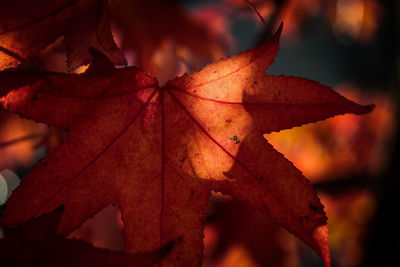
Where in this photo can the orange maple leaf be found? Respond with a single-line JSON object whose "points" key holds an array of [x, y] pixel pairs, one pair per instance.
{"points": [[159, 152]]}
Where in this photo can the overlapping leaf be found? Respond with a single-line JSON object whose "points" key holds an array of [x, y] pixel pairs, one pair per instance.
{"points": [[145, 25], [36, 244], [26, 27], [158, 152]]}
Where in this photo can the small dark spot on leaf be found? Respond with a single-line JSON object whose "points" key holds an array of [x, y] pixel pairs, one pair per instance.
{"points": [[215, 71], [300, 219], [261, 178], [182, 159], [180, 239], [279, 93], [191, 195], [169, 246], [34, 97], [45, 163], [234, 138], [194, 91], [255, 82], [314, 209], [228, 122]]}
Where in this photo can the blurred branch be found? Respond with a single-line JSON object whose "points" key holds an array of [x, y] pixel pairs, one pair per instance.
{"points": [[11, 54], [23, 138], [267, 28], [342, 185], [273, 21]]}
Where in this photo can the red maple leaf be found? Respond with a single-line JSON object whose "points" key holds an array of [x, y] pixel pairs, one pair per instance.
{"points": [[159, 152], [27, 27], [37, 244]]}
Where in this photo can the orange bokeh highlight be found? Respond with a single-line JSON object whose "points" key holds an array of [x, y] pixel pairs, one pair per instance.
{"points": [[21, 153], [343, 145]]}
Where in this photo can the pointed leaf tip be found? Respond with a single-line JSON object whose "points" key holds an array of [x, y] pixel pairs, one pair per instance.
{"points": [[100, 61], [370, 108], [364, 109], [321, 236], [279, 30], [277, 35]]}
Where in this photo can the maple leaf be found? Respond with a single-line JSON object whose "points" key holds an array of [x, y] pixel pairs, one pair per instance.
{"points": [[36, 243], [238, 224], [159, 152], [26, 27], [144, 33]]}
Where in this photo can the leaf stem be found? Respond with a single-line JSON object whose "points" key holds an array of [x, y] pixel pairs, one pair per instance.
{"points": [[261, 18]]}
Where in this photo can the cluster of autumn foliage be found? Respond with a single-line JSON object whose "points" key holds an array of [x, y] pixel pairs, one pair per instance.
{"points": [[153, 156]]}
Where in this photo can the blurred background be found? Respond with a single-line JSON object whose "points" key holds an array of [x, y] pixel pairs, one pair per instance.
{"points": [[352, 161]]}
